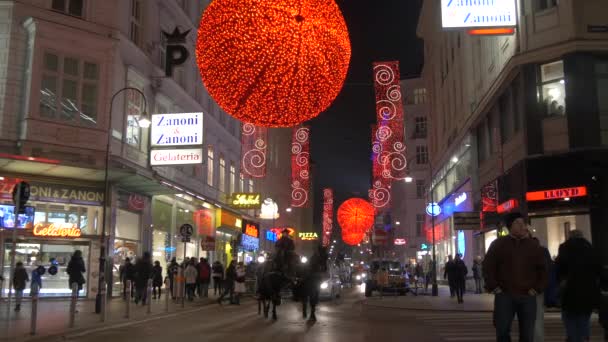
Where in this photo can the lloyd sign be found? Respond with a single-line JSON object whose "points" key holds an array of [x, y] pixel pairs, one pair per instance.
{"points": [[181, 129], [176, 156], [478, 13]]}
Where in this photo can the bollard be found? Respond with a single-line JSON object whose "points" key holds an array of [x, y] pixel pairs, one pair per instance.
{"points": [[73, 304], [34, 318], [167, 294], [128, 307], [104, 299], [149, 296]]}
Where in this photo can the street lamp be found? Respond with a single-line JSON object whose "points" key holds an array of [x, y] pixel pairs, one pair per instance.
{"points": [[409, 179], [143, 122]]}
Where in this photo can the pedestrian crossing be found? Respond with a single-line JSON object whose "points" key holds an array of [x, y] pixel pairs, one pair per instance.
{"points": [[477, 326]]}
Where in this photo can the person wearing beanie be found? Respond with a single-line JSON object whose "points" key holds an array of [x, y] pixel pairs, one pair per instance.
{"points": [[515, 271]]}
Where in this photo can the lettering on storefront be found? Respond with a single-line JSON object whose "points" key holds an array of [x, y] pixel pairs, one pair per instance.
{"points": [[246, 201], [56, 193], [565, 193], [507, 206], [251, 229], [57, 230], [308, 236]]}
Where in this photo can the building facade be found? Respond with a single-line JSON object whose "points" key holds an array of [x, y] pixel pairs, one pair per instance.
{"points": [[520, 121], [64, 111], [409, 197]]}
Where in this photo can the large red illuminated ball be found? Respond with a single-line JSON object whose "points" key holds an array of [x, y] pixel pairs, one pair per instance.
{"points": [[352, 238], [355, 217], [273, 63]]}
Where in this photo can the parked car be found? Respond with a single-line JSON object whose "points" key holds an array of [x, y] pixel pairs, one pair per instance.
{"points": [[397, 278], [331, 287]]}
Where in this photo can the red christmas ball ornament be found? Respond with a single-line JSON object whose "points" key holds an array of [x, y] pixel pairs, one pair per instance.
{"points": [[273, 63], [356, 217], [352, 238]]}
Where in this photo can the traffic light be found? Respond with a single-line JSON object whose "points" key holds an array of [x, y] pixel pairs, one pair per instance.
{"points": [[21, 194]]}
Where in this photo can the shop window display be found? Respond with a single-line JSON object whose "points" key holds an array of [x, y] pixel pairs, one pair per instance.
{"points": [[34, 254]]}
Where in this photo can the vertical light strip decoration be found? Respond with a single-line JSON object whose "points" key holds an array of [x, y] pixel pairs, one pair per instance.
{"points": [[328, 215], [389, 116], [254, 142], [300, 167], [380, 192]]}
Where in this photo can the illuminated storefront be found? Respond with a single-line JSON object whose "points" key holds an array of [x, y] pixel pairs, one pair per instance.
{"points": [[229, 226], [65, 218]]}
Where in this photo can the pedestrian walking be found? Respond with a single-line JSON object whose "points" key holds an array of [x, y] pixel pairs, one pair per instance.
{"points": [[450, 273], [75, 270], [229, 283], [239, 282], [171, 274], [191, 274], [157, 279], [218, 277], [143, 272], [126, 272], [579, 272], [477, 274], [514, 270], [460, 277], [204, 276], [20, 278], [36, 283]]}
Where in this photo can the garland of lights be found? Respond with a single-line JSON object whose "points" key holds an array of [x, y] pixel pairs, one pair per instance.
{"points": [[253, 150], [300, 167], [328, 215], [273, 63]]}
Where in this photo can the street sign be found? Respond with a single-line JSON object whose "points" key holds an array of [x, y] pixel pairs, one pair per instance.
{"points": [[467, 221], [186, 230]]}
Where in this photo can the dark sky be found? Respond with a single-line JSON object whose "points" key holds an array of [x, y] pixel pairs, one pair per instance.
{"points": [[380, 30]]}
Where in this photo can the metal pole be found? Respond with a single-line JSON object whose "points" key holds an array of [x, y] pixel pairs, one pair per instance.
{"points": [[106, 196], [128, 296], [149, 296], [183, 277], [435, 289], [104, 300], [14, 247], [34, 318], [73, 304], [167, 294]]}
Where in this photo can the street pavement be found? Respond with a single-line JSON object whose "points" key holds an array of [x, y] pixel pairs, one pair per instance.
{"points": [[351, 318]]}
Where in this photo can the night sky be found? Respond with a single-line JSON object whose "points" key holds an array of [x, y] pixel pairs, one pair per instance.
{"points": [[340, 140]]}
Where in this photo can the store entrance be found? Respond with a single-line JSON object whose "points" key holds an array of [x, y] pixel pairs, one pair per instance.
{"points": [[37, 253]]}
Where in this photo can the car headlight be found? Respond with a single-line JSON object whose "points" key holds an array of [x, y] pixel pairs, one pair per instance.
{"points": [[358, 277], [324, 285], [363, 275]]}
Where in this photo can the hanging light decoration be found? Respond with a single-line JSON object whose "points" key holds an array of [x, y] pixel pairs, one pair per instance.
{"points": [[356, 217], [273, 63]]}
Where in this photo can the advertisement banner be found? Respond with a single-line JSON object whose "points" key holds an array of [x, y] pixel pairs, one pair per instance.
{"points": [[478, 13], [179, 129], [176, 156]]}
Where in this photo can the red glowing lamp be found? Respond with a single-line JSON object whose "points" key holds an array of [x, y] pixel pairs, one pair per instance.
{"points": [[273, 63], [356, 217]]}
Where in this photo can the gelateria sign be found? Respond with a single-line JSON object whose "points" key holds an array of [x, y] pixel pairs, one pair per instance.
{"points": [[46, 192], [60, 230], [245, 201]]}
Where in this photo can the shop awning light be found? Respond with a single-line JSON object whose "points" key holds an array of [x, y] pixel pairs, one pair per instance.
{"points": [[495, 31]]}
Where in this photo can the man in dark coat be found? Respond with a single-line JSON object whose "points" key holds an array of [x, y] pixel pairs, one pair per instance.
{"points": [[229, 283], [127, 272], [76, 269], [578, 270], [450, 275], [143, 272], [459, 276], [20, 278], [515, 270], [285, 251]]}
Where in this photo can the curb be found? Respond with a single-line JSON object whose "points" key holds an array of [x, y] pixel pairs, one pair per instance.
{"points": [[80, 332]]}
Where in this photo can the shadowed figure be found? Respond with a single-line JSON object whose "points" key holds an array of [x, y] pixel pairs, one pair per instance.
{"points": [[308, 284], [271, 281]]}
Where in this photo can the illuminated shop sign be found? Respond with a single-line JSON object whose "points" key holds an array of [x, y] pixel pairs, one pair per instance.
{"points": [[57, 230], [461, 243], [507, 206], [308, 236], [250, 243], [279, 231], [177, 129], [400, 242], [565, 193], [460, 199], [46, 192], [271, 236], [433, 209], [176, 156], [245, 201], [251, 229], [478, 13]]}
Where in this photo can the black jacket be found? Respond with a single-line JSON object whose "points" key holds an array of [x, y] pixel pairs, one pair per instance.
{"points": [[459, 271], [578, 271], [143, 272], [157, 275], [75, 270], [20, 278]]}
